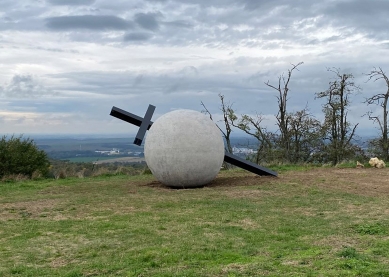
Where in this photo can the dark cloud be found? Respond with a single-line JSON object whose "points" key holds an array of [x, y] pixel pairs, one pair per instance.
{"points": [[368, 17], [137, 36], [7, 19], [260, 4], [178, 24], [24, 86], [90, 22], [71, 2], [147, 20]]}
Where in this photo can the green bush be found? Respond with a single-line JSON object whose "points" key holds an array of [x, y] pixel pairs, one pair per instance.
{"points": [[20, 156]]}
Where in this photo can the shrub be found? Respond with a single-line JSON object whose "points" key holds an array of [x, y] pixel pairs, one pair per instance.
{"points": [[20, 155]]}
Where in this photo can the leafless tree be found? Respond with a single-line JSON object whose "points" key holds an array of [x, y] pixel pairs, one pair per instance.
{"points": [[283, 119], [338, 130], [226, 109], [381, 99], [253, 127]]}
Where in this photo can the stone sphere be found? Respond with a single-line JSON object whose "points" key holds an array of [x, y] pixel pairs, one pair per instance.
{"points": [[184, 148]]}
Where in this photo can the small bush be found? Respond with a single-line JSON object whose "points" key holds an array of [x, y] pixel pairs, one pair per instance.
{"points": [[20, 156]]}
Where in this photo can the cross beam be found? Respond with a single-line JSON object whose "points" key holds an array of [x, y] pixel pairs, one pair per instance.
{"points": [[145, 124]]}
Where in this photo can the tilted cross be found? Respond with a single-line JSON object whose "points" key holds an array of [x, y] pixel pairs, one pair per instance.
{"points": [[145, 124]]}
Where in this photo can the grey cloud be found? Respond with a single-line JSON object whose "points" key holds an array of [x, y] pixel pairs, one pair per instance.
{"points": [[137, 36], [259, 4], [370, 17], [57, 50], [21, 17], [138, 80], [90, 22], [24, 86], [147, 20], [7, 19], [178, 24], [71, 2], [189, 81]]}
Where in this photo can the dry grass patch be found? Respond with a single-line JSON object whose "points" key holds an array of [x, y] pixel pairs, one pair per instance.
{"points": [[30, 209], [366, 181]]}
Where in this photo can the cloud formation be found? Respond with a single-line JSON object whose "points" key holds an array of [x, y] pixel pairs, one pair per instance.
{"points": [[71, 2], [89, 22], [137, 36], [24, 86], [68, 60], [147, 21]]}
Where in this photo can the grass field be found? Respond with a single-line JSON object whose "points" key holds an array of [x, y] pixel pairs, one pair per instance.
{"points": [[314, 222]]}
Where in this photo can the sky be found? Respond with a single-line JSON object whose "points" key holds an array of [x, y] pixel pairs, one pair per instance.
{"points": [[65, 63]]}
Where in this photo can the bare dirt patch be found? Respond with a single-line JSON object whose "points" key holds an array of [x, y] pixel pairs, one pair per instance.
{"points": [[364, 181]]}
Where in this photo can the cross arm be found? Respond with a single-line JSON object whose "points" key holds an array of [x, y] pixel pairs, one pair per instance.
{"points": [[128, 117]]}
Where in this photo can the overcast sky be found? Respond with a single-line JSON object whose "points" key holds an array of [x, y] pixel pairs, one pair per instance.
{"points": [[65, 63]]}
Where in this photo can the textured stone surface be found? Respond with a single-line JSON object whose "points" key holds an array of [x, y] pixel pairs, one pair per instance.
{"points": [[184, 148]]}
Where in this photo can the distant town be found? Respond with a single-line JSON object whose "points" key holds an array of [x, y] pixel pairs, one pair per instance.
{"points": [[96, 149], [99, 149]]}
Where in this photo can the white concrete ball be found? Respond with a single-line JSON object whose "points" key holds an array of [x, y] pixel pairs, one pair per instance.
{"points": [[184, 148]]}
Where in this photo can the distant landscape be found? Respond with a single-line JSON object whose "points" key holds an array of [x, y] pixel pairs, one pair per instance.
{"points": [[105, 150]]}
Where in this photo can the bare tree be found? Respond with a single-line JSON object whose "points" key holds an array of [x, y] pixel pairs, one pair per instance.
{"points": [[382, 143], [252, 126], [283, 119], [338, 130], [226, 109]]}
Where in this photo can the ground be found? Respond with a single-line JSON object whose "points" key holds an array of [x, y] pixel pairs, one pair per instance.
{"points": [[306, 222], [363, 181]]}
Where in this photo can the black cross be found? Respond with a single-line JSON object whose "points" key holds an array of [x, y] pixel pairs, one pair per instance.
{"points": [[145, 124]]}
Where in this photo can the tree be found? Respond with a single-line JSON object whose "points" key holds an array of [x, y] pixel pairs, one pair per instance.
{"points": [[283, 118], [381, 144], [253, 127], [338, 131], [21, 156], [305, 135], [226, 109]]}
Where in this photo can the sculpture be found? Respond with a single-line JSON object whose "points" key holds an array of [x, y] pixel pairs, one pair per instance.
{"points": [[185, 149]]}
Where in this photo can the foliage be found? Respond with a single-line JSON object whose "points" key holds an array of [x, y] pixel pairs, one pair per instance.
{"points": [[338, 131], [253, 127], [20, 156], [305, 136], [300, 137], [377, 148], [64, 169]]}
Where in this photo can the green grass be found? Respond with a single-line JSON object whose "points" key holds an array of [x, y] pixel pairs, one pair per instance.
{"points": [[128, 226]]}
